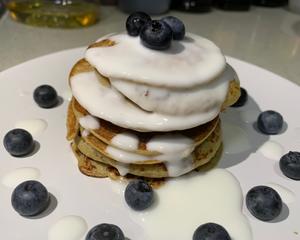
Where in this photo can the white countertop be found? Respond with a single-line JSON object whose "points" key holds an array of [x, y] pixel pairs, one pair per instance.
{"points": [[267, 37]]}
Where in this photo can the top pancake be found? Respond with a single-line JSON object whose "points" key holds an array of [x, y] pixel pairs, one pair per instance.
{"points": [[187, 63]]}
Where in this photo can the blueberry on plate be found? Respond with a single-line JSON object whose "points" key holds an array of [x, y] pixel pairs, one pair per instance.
{"points": [[105, 231], [290, 165], [139, 195], [270, 122], [18, 142], [211, 231], [30, 198], [135, 22], [264, 203], [156, 35], [176, 25], [242, 99], [45, 96]]}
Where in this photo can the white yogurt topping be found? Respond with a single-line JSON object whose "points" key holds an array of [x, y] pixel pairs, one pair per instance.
{"points": [[171, 143], [85, 133], [19, 175], [271, 150], [185, 203], [192, 61], [131, 157], [89, 122], [202, 98], [125, 141], [123, 169], [68, 228], [175, 152], [109, 104], [35, 126]]}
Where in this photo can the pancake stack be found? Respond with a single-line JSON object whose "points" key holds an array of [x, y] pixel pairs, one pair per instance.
{"points": [[115, 131]]}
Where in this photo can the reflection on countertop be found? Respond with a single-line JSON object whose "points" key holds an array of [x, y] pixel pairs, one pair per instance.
{"points": [[267, 37]]}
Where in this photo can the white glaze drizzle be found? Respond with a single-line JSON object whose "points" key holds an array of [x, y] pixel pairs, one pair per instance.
{"points": [[19, 175], [68, 228], [85, 133], [175, 152], [89, 122], [272, 150], [186, 202], [123, 169], [126, 141], [35, 126]]}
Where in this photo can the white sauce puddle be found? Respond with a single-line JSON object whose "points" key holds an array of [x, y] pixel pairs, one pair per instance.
{"points": [[35, 126], [271, 150], [286, 195], [187, 202], [235, 139], [68, 228], [19, 175]]}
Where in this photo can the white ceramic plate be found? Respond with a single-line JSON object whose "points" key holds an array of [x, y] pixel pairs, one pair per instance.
{"points": [[92, 198]]}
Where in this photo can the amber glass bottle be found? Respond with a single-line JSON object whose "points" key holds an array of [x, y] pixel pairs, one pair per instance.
{"points": [[54, 13]]}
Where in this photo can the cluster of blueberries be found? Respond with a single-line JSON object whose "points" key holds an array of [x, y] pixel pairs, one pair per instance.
{"points": [[155, 34]]}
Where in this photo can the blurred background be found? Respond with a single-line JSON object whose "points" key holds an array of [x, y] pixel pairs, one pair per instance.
{"points": [[263, 32]]}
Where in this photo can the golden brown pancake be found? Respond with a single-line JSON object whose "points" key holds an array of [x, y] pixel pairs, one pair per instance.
{"points": [[108, 130], [202, 154], [93, 159]]}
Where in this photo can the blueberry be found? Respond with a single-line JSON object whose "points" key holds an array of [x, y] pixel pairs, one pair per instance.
{"points": [[290, 165], [176, 25], [105, 231], [270, 122], [30, 198], [45, 96], [242, 99], [156, 35], [135, 22], [211, 231], [139, 195], [18, 142], [264, 203]]}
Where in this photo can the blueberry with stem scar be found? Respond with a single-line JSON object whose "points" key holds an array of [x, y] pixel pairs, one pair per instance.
{"points": [[156, 35]]}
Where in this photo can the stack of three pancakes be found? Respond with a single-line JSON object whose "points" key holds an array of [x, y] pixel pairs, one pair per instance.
{"points": [[145, 113]]}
